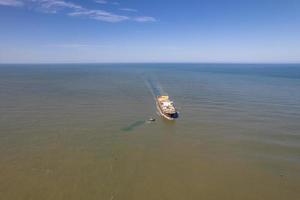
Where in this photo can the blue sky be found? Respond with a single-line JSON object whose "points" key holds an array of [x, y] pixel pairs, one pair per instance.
{"points": [[54, 31]]}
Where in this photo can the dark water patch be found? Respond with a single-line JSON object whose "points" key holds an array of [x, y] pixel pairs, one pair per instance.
{"points": [[291, 71], [134, 125]]}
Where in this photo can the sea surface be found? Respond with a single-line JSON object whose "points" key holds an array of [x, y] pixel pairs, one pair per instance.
{"points": [[80, 131]]}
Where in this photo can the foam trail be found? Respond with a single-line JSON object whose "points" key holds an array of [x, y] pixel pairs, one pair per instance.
{"points": [[151, 88], [160, 88], [155, 88]]}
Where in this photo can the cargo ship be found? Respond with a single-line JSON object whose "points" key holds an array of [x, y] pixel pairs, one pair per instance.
{"points": [[166, 107]]}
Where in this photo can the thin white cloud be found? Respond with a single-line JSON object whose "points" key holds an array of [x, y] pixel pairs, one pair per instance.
{"points": [[76, 10], [14, 3], [107, 2], [144, 19], [54, 6], [128, 9], [101, 1], [100, 15]]}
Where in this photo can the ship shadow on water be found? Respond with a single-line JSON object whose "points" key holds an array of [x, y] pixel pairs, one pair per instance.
{"points": [[139, 123], [134, 125]]}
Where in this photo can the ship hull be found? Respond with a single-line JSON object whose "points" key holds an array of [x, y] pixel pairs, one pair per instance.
{"points": [[166, 116]]}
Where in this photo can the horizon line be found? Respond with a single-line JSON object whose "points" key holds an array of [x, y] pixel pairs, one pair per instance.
{"points": [[57, 63]]}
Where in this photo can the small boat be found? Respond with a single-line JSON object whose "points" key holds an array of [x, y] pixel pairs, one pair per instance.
{"points": [[151, 119], [166, 107]]}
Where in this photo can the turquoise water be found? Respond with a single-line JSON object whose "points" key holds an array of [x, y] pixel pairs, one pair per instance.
{"points": [[81, 132]]}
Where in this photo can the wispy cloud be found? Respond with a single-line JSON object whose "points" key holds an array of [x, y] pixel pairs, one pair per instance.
{"points": [[14, 3], [76, 10], [58, 4], [99, 15], [101, 1], [53, 6], [107, 2], [128, 9], [144, 19]]}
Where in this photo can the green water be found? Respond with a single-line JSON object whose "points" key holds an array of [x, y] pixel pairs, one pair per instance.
{"points": [[81, 132]]}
